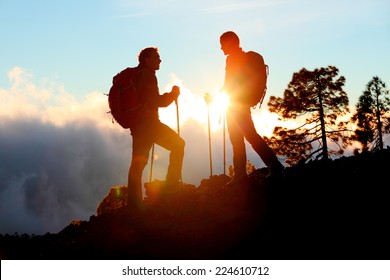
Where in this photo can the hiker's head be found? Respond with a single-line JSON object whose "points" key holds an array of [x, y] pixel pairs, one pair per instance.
{"points": [[229, 42], [150, 58]]}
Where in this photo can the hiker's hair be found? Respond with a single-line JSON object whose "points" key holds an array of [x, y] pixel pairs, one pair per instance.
{"points": [[230, 36], [145, 53]]}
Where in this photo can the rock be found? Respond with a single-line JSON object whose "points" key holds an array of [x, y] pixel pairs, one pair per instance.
{"points": [[114, 201]]}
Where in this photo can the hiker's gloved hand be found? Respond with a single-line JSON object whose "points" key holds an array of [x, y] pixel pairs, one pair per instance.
{"points": [[175, 92]]}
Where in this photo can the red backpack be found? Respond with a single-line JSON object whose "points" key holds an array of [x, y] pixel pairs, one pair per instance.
{"points": [[257, 74], [123, 100]]}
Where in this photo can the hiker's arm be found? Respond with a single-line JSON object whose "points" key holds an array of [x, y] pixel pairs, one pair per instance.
{"points": [[233, 85], [170, 96], [228, 78], [166, 99]]}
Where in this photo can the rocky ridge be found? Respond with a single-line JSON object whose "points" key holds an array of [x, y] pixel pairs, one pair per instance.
{"points": [[333, 210]]}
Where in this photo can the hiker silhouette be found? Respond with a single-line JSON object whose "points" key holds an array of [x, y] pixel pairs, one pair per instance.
{"points": [[238, 116], [149, 130]]}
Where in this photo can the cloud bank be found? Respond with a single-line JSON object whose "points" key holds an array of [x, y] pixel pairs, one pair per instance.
{"points": [[58, 155]]}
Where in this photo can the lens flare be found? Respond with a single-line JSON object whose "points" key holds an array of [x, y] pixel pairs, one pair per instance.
{"points": [[219, 103]]}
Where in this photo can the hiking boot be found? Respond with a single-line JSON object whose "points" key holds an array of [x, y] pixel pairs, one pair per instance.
{"points": [[238, 180]]}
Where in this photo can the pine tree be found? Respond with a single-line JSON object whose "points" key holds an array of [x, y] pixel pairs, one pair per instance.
{"points": [[317, 100], [372, 115]]}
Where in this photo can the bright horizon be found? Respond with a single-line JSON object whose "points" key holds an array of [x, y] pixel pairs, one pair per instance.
{"points": [[60, 152]]}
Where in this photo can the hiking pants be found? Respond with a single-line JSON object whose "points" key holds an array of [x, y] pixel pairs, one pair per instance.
{"points": [[241, 127], [145, 134]]}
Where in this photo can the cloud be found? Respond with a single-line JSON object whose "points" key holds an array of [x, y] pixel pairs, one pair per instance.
{"points": [[59, 155], [57, 173]]}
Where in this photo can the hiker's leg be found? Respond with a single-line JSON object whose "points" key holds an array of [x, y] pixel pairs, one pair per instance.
{"points": [[237, 139], [139, 159], [170, 140], [267, 155]]}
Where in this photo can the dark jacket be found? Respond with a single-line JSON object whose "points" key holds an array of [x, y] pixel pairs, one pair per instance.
{"points": [[147, 87]]}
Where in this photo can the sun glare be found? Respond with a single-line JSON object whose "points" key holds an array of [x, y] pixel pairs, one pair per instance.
{"points": [[219, 103], [194, 107], [217, 109]]}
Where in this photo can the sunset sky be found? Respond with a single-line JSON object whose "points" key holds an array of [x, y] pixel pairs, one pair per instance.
{"points": [[59, 151]]}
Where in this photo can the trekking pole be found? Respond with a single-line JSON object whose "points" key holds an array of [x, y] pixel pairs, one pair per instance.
{"points": [[151, 164], [208, 98], [177, 117], [222, 119], [224, 143], [178, 126]]}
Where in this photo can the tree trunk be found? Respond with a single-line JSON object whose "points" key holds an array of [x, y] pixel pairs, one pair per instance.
{"points": [[378, 117], [322, 120]]}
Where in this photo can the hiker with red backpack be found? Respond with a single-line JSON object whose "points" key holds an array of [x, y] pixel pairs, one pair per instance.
{"points": [[245, 81], [140, 93]]}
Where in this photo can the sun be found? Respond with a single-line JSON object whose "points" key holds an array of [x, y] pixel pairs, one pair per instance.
{"points": [[216, 105], [219, 104]]}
